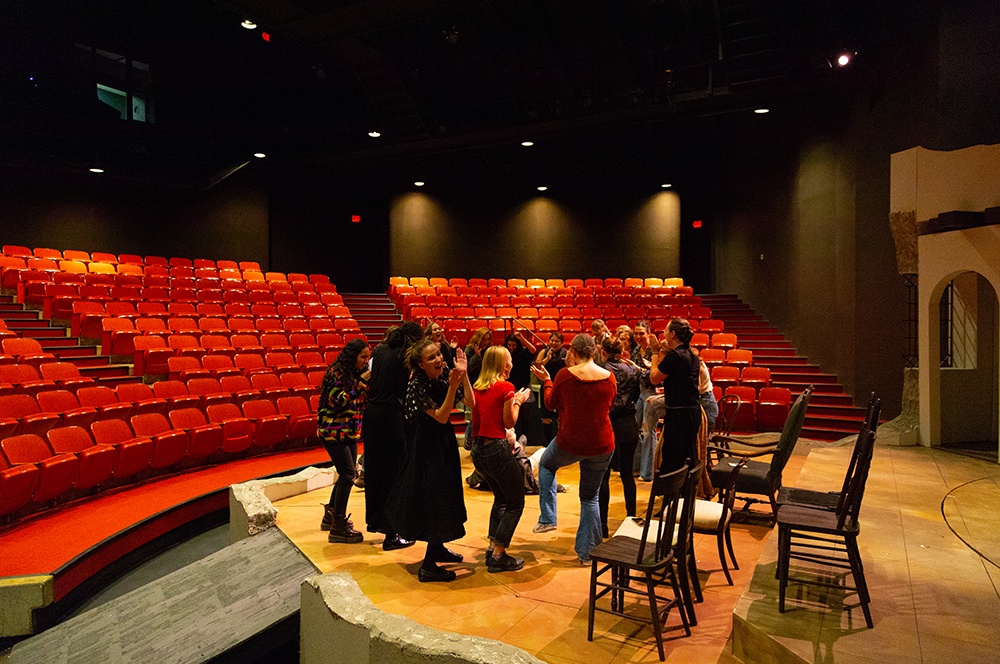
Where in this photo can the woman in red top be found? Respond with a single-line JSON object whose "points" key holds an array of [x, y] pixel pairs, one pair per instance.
{"points": [[496, 410], [582, 394]]}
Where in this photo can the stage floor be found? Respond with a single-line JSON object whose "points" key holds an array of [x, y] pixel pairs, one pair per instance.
{"points": [[542, 608]]}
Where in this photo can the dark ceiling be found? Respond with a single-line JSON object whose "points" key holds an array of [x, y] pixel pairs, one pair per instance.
{"points": [[432, 76]]}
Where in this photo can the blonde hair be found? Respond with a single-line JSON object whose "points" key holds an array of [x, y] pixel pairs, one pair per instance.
{"points": [[494, 361]]}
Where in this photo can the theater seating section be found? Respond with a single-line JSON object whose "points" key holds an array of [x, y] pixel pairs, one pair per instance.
{"points": [[461, 306], [198, 334]]}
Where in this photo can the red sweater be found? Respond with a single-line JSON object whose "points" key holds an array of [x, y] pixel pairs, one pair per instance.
{"points": [[583, 407]]}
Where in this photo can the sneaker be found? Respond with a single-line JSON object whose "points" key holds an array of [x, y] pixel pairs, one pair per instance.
{"points": [[504, 563], [562, 488], [543, 527]]}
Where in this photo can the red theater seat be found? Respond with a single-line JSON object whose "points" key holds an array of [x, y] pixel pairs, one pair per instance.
{"points": [[29, 416], [64, 404], [24, 379], [97, 462], [301, 420], [240, 387], [176, 394], [746, 417], [105, 403], [209, 390], [205, 439], [270, 428], [237, 431], [169, 444], [66, 375], [26, 350], [142, 398], [17, 485], [57, 472]]}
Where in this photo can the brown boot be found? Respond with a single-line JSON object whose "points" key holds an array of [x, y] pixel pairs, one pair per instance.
{"points": [[327, 521], [343, 531]]}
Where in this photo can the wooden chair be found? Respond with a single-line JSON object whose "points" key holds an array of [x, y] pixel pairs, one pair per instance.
{"points": [[834, 501], [828, 539], [712, 518], [642, 559], [760, 478]]}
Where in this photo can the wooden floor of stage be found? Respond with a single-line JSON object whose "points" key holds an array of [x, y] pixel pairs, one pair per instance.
{"points": [[543, 607]]}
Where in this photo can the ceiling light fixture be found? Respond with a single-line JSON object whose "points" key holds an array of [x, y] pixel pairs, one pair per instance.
{"points": [[527, 144], [248, 24], [259, 155], [844, 59], [542, 188], [374, 134], [761, 111], [95, 169], [666, 186], [419, 184]]}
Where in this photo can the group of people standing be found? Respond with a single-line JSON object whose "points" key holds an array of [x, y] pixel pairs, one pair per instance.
{"points": [[413, 480]]}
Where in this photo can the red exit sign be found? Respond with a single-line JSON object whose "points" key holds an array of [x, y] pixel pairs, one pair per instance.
{"points": [[356, 218]]}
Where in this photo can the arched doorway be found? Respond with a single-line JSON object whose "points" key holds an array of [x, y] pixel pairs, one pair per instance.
{"points": [[959, 403], [967, 359]]}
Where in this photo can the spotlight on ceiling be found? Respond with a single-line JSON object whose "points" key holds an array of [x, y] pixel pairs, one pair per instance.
{"points": [[95, 169], [527, 144], [844, 59], [248, 24], [374, 134], [259, 155], [418, 184], [542, 188], [761, 111], [666, 186]]}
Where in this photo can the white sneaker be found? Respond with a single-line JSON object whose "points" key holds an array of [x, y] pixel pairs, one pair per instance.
{"points": [[543, 527]]}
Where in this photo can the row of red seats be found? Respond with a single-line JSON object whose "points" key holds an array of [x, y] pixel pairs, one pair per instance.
{"points": [[119, 341], [133, 259], [71, 459], [544, 300], [56, 299], [652, 282], [85, 319], [153, 353], [17, 275], [551, 313], [730, 376], [650, 295]]}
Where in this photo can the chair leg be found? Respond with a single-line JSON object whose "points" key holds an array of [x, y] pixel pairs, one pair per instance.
{"points": [[685, 584], [784, 545], [678, 599], [593, 600], [655, 614], [854, 556], [695, 580], [729, 545], [722, 558]]}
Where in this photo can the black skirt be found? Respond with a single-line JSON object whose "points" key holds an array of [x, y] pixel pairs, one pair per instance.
{"points": [[428, 501]]}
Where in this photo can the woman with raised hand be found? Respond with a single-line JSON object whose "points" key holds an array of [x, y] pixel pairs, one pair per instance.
{"points": [[342, 397], [582, 393], [497, 408], [385, 435], [427, 502], [677, 367]]}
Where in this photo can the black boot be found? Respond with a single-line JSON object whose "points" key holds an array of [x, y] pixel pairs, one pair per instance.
{"points": [[327, 521], [343, 530], [393, 542]]}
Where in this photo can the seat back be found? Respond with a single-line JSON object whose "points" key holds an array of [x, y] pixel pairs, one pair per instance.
{"points": [[149, 424], [187, 418], [26, 448], [849, 507], [223, 411], [661, 514], [99, 395], [56, 401], [259, 408], [789, 436], [64, 440], [110, 432], [729, 407]]}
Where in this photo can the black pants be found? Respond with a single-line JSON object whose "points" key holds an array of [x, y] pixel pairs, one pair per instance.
{"points": [[344, 454], [504, 474], [626, 440]]}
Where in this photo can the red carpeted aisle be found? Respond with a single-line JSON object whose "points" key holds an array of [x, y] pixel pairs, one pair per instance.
{"points": [[74, 541]]}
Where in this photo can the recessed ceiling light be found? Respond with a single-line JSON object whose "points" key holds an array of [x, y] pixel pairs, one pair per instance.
{"points": [[96, 170], [248, 24], [374, 134], [844, 59], [666, 186], [761, 111], [527, 144], [259, 155], [419, 184], [542, 188]]}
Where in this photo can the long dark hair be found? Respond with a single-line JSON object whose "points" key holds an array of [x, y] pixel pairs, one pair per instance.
{"points": [[682, 329], [344, 368], [403, 336]]}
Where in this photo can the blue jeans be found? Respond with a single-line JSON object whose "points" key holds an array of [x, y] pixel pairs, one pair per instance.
{"points": [[640, 406], [711, 407], [588, 533], [651, 415]]}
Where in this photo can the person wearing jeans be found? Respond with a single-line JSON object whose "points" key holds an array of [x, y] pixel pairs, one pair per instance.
{"points": [[582, 394], [496, 409]]}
